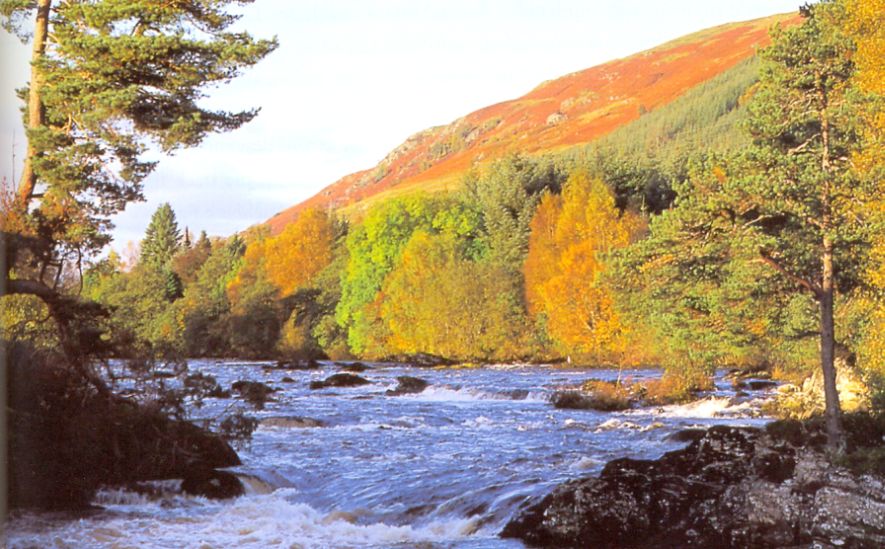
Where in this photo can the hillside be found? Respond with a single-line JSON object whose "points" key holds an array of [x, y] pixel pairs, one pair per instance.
{"points": [[559, 114]]}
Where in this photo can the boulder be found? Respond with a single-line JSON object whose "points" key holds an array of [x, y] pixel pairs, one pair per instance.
{"points": [[571, 400], [212, 484], [309, 364], [292, 422], [732, 487], [578, 400], [357, 367], [408, 385], [421, 360], [339, 380], [760, 384], [254, 392]]}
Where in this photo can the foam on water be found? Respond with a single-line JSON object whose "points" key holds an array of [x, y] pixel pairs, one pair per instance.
{"points": [[707, 408], [253, 521], [440, 393]]}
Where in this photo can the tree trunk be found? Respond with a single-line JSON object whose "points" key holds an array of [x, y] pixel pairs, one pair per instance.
{"points": [[36, 112], [835, 436]]}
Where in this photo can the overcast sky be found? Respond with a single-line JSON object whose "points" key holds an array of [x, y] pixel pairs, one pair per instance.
{"points": [[353, 78]]}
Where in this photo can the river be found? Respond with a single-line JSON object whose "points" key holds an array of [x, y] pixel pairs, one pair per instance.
{"points": [[447, 467]]}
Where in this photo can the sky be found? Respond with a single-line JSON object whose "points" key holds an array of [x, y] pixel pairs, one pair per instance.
{"points": [[352, 79]]}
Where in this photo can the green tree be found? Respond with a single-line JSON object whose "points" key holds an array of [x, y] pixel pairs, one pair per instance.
{"points": [[506, 196], [109, 79], [161, 243], [162, 239], [373, 248], [792, 205]]}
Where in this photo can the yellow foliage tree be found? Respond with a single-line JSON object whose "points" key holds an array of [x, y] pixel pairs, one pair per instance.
{"points": [[436, 301], [865, 23], [570, 238], [292, 259], [301, 251]]}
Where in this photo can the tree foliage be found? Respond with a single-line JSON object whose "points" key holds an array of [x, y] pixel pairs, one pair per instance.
{"points": [[109, 80], [572, 235]]}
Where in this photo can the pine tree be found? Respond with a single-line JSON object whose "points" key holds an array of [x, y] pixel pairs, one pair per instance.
{"points": [[109, 78], [162, 239], [787, 220]]}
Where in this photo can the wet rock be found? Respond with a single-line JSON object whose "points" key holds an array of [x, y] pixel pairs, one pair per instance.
{"points": [[577, 400], [356, 367], [254, 392], [518, 394], [339, 380], [732, 487], [760, 384], [571, 400], [408, 385], [421, 360], [310, 364], [293, 422], [687, 435], [212, 484], [287, 379]]}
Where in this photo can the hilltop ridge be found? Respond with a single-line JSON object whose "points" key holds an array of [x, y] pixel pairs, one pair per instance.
{"points": [[571, 110]]}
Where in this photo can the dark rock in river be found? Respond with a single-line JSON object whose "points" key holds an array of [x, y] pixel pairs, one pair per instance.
{"points": [[687, 435], [310, 364], [212, 484], [571, 400], [760, 384], [254, 392], [357, 367], [65, 440], [577, 400], [339, 380], [421, 360], [733, 487], [293, 422], [287, 379], [408, 385]]}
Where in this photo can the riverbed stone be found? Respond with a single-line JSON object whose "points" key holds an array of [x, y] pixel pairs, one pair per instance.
{"points": [[292, 422], [733, 487], [339, 380], [408, 385], [212, 484]]}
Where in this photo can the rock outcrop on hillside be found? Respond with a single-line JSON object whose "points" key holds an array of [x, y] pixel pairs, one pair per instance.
{"points": [[732, 487]]}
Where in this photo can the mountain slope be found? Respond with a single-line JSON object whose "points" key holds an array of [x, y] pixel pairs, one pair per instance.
{"points": [[574, 109]]}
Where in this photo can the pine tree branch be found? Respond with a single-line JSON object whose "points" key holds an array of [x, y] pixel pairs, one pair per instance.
{"points": [[804, 283]]}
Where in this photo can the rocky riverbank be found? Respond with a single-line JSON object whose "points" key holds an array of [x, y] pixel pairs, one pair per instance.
{"points": [[731, 487]]}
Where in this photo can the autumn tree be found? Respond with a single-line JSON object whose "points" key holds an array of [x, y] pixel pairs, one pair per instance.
{"points": [[304, 248], [864, 22], [109, 80], [188, 262], [438, 301], [571, 237]]}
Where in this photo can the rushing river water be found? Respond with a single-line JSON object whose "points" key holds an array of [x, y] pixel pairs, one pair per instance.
{"points": [[447, 467]]}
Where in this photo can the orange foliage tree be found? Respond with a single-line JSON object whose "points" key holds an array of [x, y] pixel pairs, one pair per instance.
{"points": [[301, 251], [292, 259], [571, 235]]}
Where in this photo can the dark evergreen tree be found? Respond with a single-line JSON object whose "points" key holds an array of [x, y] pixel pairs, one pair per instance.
{"points": [[162, 239]]}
